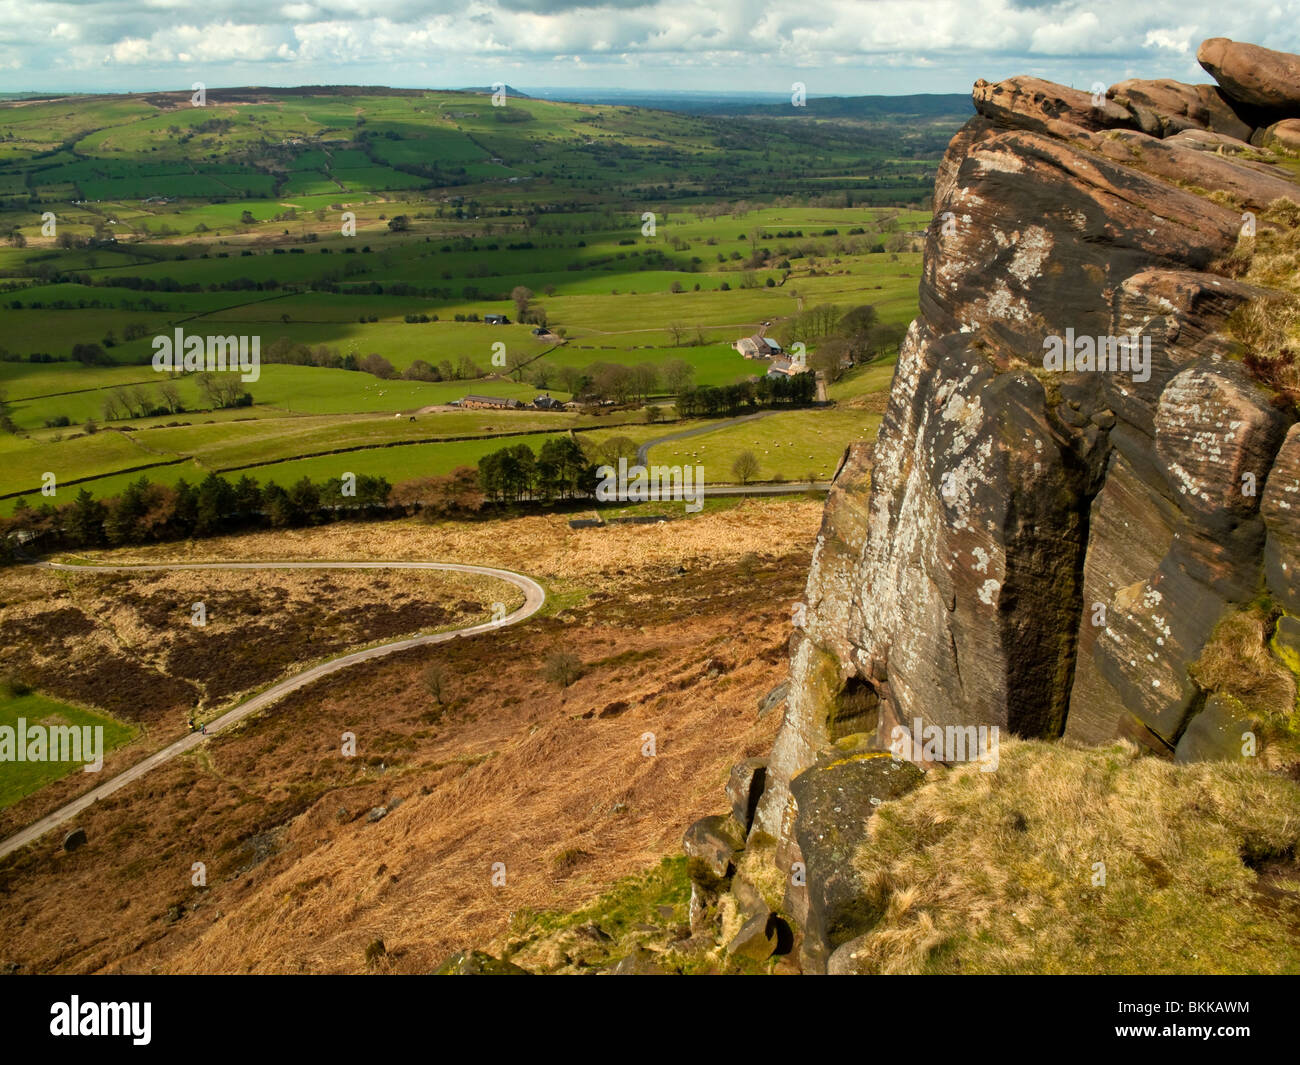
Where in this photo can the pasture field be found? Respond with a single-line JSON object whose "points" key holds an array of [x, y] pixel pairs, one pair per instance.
{"points": [[233, 220], [20, 779], [161, 450], [397, 464], [793, 445]]}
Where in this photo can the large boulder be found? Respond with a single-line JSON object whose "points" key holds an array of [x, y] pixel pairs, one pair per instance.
{"points": [[757, 938], [836, 800], [1249, 74], [1203, 140], [1163, 108], [1252, 185], [1221, 732], [1041, 547], [711, 845], [1281, 511], [1284, 134], [745, 788], [1044, 107], [946, 580]]}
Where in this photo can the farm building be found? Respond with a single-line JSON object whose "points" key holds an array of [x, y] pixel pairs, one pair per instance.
{"points": [[545, 402], [490, 402], [785, 368], [757, 347], [496, 319]]}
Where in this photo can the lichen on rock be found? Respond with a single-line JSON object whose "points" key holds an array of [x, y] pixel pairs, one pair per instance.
{"points": [[1050, 551]]}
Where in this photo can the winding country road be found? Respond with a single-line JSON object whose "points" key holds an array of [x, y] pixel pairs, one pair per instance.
{"points": [[534, 598], [643, 452]]}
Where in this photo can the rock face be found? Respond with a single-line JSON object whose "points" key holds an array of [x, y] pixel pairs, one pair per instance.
{"points": [[1046, 545]]}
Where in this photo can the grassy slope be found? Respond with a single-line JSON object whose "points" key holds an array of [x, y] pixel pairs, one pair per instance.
{"points": [[997, 872]]}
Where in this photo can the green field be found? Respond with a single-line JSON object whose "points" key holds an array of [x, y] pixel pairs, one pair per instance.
{"points": [[18, 779], [228, 220], [789, 445]]}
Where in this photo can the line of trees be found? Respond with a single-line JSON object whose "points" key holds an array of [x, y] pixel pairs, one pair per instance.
{"points": [[730, 400], [561, 470], [600, 381], [147, 512], [286, 352]]}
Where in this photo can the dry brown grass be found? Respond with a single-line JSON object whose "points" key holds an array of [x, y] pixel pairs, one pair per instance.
{"points": [[124, 644], [542, 546], [1269, 328], [551, 782], [994, 872]]}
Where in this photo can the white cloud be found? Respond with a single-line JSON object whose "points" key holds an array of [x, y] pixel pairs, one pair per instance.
{"points": [[137, 50], [904, 45], [1183, 40]]}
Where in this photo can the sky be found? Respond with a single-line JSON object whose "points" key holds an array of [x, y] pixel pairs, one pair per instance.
{"points": [[834, 47]]}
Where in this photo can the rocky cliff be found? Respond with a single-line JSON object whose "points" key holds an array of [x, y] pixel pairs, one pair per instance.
{"points": [[1081, 517]]}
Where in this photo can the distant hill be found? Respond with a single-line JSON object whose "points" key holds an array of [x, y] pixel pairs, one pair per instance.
{"points": [[768, 104], [917, 105], [302, 148], [487, 90]]}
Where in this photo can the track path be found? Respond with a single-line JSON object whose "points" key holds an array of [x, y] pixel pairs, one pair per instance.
{"points": [[534, 598], [643, 452]]}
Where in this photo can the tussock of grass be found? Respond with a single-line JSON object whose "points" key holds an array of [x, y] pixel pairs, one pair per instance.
{"points": [[1270, 328], [1242, 661], [1236, 662], [757, 864], [1226, 199], [994, 872]]}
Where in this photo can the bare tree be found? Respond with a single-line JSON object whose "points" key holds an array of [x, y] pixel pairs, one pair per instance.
{"points": [[209, 389], [136, 401], [437, 684], [522, 296], [677, 375], [515, 363], [645, 378], [745, 468], [541, 372], [113, 408], [562, 668], [171, 396], [618, 447], [6, 420]]}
